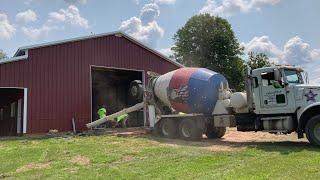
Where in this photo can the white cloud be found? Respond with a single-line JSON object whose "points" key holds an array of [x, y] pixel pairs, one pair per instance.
{"points": [[57, 20], [297, 52], [165, 1], [166, 51], [294, 52], [76, 1], [7, 30], [145, 27], [26, 16], [315, 54], [36, 33], [231, 7], [264, 45], [261, 3], [149, 13], [71, 16], [137, 2]]}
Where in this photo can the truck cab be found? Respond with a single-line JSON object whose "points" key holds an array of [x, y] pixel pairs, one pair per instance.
{"points": [[281, 100], [274, 89]]}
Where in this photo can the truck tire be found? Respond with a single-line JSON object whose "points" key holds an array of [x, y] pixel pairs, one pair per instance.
{"points": [[168, 128], [189, 130], [313, 130], [215, 132], [136, 91]]}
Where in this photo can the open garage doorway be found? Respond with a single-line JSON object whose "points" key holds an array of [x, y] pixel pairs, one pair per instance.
{"points": [[11, 111], [110, 88]]}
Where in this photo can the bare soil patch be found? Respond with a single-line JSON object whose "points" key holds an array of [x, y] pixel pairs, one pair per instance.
{"points": [[122, 132], [80, 160], [72, 169], [32, 166], [234, 136], [232, 141]]}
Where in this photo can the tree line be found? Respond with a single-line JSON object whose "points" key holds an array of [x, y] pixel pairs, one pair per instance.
{"points": [[3, 55], [208, 41]]}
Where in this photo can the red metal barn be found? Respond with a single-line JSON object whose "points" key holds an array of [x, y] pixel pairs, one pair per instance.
{"points": [[45, 86]]}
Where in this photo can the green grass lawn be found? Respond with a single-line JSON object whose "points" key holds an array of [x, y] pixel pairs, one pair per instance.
{"points": [[145, 157]]}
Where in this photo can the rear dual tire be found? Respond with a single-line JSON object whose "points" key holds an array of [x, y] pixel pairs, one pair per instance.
{"points": [[215, 132], [187, 129], [168, 128]]}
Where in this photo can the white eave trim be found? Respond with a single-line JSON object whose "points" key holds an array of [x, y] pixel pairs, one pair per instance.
{"points": [[14, 59]]}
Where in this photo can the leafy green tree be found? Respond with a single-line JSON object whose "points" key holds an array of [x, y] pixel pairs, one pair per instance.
{"points": [[258, 60], [208, 41], [2, 55]]}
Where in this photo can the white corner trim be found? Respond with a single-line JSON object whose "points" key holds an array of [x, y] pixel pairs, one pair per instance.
{"points": [[25, 109], [13, 59]]}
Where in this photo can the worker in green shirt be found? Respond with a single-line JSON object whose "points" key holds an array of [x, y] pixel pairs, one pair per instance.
{"points": [[276, 84], [102, 112], [120, 120]]}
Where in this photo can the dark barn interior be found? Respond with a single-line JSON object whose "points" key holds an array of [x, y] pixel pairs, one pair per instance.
{"points": [[110, 88], [11, 111]]}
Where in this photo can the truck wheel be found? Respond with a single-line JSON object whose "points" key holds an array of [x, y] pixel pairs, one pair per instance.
{"points": [[168, 128], [136, 91], [215, 132], [313, 130], [189, 130]]}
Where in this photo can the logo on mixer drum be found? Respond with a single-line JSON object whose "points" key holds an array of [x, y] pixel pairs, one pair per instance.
{"points": [[179, 95]]}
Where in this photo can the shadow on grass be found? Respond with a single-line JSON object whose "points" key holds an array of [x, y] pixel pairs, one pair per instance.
{"points": [[35, 137], [23, 138], [283, 147]]}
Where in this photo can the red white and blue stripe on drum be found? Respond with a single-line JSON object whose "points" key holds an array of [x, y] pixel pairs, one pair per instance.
{"points": [[194, 90]]}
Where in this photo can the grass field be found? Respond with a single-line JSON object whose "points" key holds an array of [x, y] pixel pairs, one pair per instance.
{"points": [[145, 157]]}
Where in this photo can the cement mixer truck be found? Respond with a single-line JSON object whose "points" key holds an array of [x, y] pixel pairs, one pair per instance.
{"points": [[189, 102]]}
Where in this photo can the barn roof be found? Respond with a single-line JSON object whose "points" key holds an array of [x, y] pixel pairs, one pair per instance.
{"points": [[22, 52]]}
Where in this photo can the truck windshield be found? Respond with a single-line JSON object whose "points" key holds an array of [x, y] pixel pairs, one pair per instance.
{"points": [[293, 76]]}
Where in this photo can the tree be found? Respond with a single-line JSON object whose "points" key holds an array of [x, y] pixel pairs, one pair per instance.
{"points": [[258, 60], [209, 42], [2, 55]]}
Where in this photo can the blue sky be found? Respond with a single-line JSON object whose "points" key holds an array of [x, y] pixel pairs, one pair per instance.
{"points": [[286, 30]]}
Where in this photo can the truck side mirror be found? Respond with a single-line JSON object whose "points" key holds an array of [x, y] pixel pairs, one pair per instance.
{"points": [[277, 75], [307, 77], [249, 70], [255, 82]]}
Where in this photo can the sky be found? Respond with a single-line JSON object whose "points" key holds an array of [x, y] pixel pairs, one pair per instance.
{"points": [[288, 31]]}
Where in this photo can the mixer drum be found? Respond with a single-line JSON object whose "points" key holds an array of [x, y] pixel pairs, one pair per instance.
{"points": [[190, 90]]}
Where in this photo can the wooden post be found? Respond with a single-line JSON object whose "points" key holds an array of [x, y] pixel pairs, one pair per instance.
{"points": [[74, 126]]}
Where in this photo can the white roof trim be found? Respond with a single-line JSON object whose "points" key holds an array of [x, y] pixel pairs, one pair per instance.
{"points": [[13, 59], [97, 36]]}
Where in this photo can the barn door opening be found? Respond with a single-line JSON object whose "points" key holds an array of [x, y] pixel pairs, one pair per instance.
{"points": [[11, 111], [110, 89]]}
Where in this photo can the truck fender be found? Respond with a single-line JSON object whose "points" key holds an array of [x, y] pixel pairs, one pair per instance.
{"points": [[300, 112]]}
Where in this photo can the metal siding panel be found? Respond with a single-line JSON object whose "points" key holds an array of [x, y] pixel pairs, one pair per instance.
{"points": [[64, 83], [58, 77]]}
